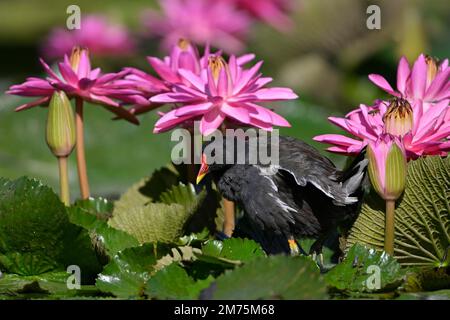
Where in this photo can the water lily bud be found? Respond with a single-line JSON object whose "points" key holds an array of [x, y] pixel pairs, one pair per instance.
{"points": [[432, 68], [60, 125], [387, 167], [398, 119]]}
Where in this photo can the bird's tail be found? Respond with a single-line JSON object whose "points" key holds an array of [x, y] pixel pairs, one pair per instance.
{"points": [[353, 177]]}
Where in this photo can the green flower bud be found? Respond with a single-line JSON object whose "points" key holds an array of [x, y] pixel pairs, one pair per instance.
{"points": [[60, 133], [387, 167]]}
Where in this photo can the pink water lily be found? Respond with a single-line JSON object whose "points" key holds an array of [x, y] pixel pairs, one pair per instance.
{"points": [[183, 56], [428, 136], [201, 21], [77, 79], [101, 36], [273, 12], [426, 81], [222, 90]]}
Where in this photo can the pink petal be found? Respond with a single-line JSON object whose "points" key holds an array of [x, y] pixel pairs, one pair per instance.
{"points": [[238, 113], [162, 70], [84, 66], [39, 102], [193, 109], [245, 59], [245, 77], [272, 94], [382, 83], [193, 79], [49, 70], [438, 85], [419, 77], [403, 73], [211, 121], [68, 74], [222, 83], [172, 97]]}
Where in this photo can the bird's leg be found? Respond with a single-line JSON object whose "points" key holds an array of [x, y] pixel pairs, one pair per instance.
{"points": [[229, 218], [294, 247], [316, 251]]}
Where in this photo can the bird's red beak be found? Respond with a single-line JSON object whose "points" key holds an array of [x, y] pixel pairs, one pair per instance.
{"points": [[203, 169]]}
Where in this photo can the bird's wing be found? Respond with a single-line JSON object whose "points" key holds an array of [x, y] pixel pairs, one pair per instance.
{"points": [[307, 165], [269, 202]]}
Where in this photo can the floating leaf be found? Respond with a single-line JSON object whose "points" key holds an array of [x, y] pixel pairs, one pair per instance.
{"points": [[422, 216], [434, 295], [125, 276], [92, 215], [47, 285], [159, 222], [173, 282], [149, 189], [233, 249], [274, 277], [35, 233], [427, 279], [366, 270]]}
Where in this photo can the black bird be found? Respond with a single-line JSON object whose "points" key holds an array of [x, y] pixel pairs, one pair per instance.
{"points": [[303, 196]]}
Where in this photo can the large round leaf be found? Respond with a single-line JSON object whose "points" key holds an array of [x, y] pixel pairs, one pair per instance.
{"points": [[422, 216], [274, 277], [159, 222], [35, 233]]}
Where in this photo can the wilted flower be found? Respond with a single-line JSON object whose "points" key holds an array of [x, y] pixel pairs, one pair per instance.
{"points": [[201, 21], [387, 166], [60, 131], [222, 90], [76, 79], [427, 81], [273, 12], [100, 36], [428, 135]]}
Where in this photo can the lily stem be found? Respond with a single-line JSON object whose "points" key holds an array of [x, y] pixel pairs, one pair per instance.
{"points": [[229, 218], [389, 227], [64, 180], [81, 159], [228, 206]]}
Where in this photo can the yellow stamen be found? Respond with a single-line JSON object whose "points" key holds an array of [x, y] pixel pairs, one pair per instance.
{"points": [[75, 57], [432, 68], [216, 63], [183, 44]]}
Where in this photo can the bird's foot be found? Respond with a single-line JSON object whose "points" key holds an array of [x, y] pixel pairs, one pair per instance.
{"points": [[317, 257]]}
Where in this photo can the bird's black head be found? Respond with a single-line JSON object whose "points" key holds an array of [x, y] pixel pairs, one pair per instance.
{"points": [[210, 166], [220, 155]]}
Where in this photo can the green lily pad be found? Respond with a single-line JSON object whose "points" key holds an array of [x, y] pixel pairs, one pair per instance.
{"points": [[427, 279], [366, 270], [92, 215], [35, 233], [233, 249], [173, 282], [422, 217], [125, 276], [274, 277], [48, 285], [159, 222]]}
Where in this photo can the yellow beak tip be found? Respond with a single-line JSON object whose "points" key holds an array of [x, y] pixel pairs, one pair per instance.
{"points": [[200, 178]]}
